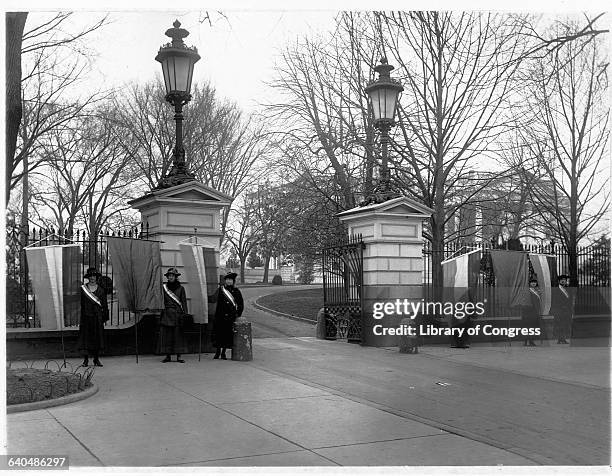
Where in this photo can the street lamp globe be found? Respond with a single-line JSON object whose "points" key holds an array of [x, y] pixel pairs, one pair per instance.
{"points": [[384, 93], [177, 60]]}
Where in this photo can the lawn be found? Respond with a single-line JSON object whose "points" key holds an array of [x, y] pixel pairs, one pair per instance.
{"points": [[304, 303]]}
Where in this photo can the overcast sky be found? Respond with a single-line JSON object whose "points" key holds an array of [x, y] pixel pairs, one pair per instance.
{"points": [[237, 52]]}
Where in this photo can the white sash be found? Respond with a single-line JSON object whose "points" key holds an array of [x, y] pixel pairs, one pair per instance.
{"points": [[91, 295], [230, 297], [564, 291], [173, 296]]}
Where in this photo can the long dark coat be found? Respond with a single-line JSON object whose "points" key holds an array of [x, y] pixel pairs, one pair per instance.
{"points": [[531, 313], [91, 325], [225, 315], [563, 310], [171, 336]]}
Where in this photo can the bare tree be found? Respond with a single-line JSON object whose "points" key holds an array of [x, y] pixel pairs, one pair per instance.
{"points": [[243, 233], [83, 180], [324, 111], [272, 217], [569, 142], [458, 70], [36, 99]]}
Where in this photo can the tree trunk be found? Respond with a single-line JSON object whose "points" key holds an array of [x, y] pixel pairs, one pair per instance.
{"points": [[15, 23], [437, 256], [439, 214], [369, 172], [572, 248], [25, 199], [266, 269], [242, 267]]}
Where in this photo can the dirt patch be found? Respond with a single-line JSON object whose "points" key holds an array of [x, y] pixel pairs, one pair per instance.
{"points": [[32, 385]]}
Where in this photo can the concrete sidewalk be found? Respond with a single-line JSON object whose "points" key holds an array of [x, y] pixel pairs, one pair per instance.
{"points": [[306, 402], [225, 413]]}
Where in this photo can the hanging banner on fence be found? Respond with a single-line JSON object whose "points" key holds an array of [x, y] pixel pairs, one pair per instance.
{"points": [[195, 268], [511, 270], [137, 267], [545, 268], [211, 261], [460, 276], [56, 283]]}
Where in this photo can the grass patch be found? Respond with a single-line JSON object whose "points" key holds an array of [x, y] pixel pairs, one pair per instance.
{"points": [[304, 303], [33, 385]]}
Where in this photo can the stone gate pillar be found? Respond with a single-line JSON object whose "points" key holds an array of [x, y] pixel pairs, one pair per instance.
{"points": [[393, 259]]}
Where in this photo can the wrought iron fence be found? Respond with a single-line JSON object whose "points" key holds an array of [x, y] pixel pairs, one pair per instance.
{"points": [[593, 293], [343, 288], [21, 310]]}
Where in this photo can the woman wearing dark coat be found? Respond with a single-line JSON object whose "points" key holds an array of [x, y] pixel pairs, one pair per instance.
{"points": [[171, 337], [531, 313], [94, 313], [229, 307], [563, 310]]}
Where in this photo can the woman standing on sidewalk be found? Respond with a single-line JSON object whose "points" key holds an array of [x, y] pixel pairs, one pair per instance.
{"points": [[171, 338], [94, 313], [229, 307], [531, 312]]}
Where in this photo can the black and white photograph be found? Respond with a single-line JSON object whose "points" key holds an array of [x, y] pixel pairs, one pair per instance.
{"points": [[324, 238]]}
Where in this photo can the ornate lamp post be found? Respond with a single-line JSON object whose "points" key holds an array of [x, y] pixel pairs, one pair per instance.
{"points": [[177, 60], [383, 94]]}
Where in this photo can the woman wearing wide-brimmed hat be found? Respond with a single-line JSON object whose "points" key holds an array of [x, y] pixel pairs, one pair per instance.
{"points": [[171, 337], [563, 309], [94, 313], [229, 307], [531, 317]]}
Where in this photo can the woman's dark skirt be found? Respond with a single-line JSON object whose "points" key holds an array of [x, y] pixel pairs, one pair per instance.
{"points": [[91, 336], [171, 340]]}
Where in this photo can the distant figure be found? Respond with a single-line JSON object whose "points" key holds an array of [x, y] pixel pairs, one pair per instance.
{"points": [[531, 312], [465, 323], [563, 310], [229, 307], [171, 337], [94, 313]]}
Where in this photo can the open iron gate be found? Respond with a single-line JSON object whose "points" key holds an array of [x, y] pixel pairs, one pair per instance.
{"points": [[343, 289]]}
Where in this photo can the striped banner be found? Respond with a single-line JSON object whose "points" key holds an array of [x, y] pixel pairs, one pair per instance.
{"points": [[201, 265], [545, 268], [460, 274], [53, 282]]}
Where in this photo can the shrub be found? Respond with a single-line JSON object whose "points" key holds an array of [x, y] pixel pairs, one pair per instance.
{"points": [[277, 280]]}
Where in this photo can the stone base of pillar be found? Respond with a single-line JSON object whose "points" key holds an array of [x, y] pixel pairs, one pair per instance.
{"points": [[243, 342]]}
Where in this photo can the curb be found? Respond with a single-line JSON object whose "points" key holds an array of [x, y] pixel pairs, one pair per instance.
{"points": [[65, 400], [281, 314]]}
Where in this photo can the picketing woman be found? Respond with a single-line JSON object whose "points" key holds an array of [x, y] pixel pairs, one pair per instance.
{"points": [[229, 307], [531, 313], [563, 309], [171, 331], [94, 313]]}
